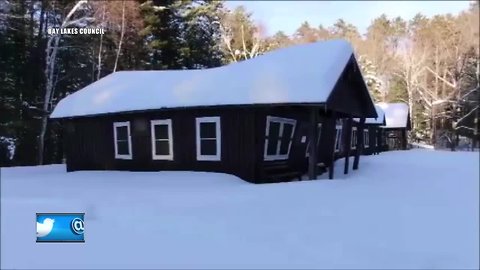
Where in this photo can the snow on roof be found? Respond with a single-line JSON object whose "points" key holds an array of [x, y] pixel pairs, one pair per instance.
{"points": [[299, 74], [374, 121], [396, 114]]}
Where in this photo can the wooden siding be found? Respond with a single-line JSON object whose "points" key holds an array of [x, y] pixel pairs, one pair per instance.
{"points": [[297, 160], [397, 137], [350, 95], [90, 144]]}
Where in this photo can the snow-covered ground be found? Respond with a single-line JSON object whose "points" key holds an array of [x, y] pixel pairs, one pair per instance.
{"points": [[406, 209]]}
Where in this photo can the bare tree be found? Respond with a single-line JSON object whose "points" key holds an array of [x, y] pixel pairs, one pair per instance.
{"points": [[50, 61], [123, 24], [246, 51], [409, 71], [99, 65], [240, 37], [122, 32]]}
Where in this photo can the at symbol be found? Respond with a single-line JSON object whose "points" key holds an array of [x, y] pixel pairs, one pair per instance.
{"points": [[77, 226]]}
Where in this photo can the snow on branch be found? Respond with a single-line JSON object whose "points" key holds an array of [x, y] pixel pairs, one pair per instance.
{"points": [[10, 144], [469, 113]]}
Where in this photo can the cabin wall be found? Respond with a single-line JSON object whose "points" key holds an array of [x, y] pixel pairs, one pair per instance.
{"points": [[372, 134], [396, 138], [297, 160], [373, 131], [90, 143]]}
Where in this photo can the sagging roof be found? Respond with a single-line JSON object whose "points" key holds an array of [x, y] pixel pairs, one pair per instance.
{"points": [[380, 120], [397, 115], [299, 74]]}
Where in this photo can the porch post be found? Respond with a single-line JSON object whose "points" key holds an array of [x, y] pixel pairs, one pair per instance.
{"points": [[359, 143], [331, 168], [404, 139], [312, 151], [347, 137]]}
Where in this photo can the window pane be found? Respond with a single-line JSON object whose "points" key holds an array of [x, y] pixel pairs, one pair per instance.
{"points": [[208, 130], [287, 131], [208, 147], [272, 146], [162, 148], [161, 131], [273, 130], [354, 139], [122, 147], [122, 133], [319, 134], [338, 137], [284, 146]]}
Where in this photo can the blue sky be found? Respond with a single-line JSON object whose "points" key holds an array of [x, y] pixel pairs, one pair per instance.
{"points": [[288, 15]]}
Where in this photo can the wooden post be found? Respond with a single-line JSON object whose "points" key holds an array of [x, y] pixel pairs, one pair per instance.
{"points": [[313, 134], [347, 137], [404, 139], [331, 168], [359, 143]]}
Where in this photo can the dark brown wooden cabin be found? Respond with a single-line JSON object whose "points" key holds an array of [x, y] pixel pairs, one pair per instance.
{"points": [[395, 131], [259, 142]]}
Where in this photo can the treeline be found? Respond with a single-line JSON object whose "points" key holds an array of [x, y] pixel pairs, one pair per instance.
{"points": [[431, 63]]}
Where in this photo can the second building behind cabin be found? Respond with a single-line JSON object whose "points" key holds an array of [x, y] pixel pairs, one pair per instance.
{"points": [[397, 116]]}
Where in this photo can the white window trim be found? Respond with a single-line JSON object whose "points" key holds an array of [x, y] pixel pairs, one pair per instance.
{"points": [[282, 121], [218, 138], [338, 137], [366, 138], [154, 123], [319, 127], [353, 141], [122, 124]]}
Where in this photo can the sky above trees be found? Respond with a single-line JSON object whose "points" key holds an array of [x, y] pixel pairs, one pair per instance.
{"points": [[287, 15]]}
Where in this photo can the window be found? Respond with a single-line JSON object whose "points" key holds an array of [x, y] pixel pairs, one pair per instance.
{"points": [[338, 137], [279, 135], [353, 143], [366, 138], [209, 138], [122, 140], [162, 139], [319, 133]]}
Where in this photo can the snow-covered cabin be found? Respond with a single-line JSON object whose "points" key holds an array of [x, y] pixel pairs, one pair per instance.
{"points": [[397, 116], [253, 119]]}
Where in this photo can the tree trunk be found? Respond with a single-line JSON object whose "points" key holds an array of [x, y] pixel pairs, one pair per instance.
{"points": [[101, 44], [410, 105], [121, 37], [476, 133], [50, 66]]}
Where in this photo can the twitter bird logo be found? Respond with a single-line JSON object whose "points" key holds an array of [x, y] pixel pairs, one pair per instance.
{"points": [[43, 229]]}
